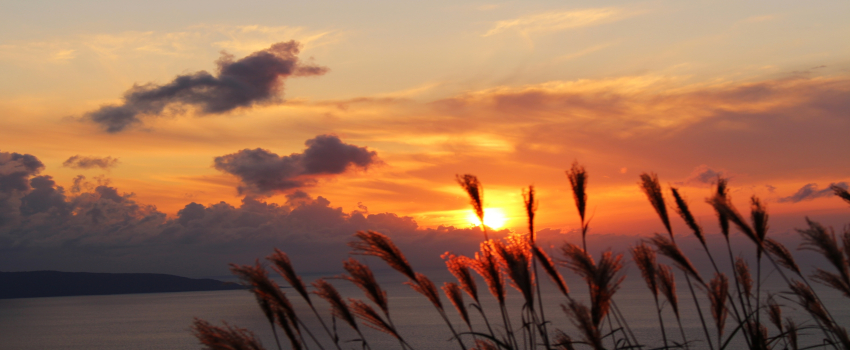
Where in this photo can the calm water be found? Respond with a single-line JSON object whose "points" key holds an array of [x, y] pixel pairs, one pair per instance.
{"points": [[162, 321]]}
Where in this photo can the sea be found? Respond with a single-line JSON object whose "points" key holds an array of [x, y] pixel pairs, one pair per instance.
{"points": [[164, 320]]}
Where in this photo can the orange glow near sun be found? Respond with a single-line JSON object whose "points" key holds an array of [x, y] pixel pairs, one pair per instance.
{"points": [[494, 218]]}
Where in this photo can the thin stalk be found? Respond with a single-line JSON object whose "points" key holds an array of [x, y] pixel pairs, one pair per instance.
{"points": [[701, 318], [661, 321], [484, 316], [445, 318], [758, 289], [400, 340], [583, 236], [545, 337], [276, 339], [508, 328], [682, 331], [541, 324], [613, 337], [738, 291], [363, 339], [806, 281], [624, 323], [531, 208], [336, 341], [308, 333], [529, 320], [735, 312]]}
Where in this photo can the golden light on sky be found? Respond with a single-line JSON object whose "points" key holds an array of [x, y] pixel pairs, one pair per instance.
{"points": [[494, 218], [246, 125]]}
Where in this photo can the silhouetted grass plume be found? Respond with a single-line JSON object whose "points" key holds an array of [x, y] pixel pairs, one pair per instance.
{"points": [[594, 323]]}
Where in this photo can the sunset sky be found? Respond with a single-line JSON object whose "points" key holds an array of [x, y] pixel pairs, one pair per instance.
{"points": [[178, 136]]}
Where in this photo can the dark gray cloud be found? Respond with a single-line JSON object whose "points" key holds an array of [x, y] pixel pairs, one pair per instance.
{"points": [[15, 170], [255, 79], [97, 227], [811, 191], [103, 229], [44, 197], [704, 176], [81, 162], [263, 172]]}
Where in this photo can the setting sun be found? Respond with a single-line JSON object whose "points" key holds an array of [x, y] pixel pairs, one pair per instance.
{"points": [[493, 217]]}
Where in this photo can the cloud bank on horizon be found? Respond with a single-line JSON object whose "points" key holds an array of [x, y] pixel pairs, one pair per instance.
{"points": [[254, 79], [95, 227]]}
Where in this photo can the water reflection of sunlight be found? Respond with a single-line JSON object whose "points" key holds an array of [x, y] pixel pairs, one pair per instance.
{"points": [[493, 218]]}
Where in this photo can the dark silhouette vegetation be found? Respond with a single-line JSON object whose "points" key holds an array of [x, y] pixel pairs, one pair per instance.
{"points": [[732, 306]]}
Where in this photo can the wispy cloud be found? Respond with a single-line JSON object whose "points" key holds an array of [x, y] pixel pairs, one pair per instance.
{"points": [[254, 79], [186, 42], [811, 191], [703, 176], [584, 52], [557, 21], [82, 162]]}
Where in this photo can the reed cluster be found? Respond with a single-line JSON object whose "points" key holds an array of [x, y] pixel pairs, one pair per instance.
{"points": [[737, 307]]}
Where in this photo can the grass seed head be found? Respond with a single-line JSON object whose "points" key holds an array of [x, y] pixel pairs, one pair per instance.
{"points": [[459, 268], [644, 258], [841, 192], [371, 318], [515, 258], [723, 205], [481, 344], [717, 295], [578, 182], [807, 299], [224, 338], [774, 312], [822, 240], [745, 279], [284, 267], [650, 186], [669, 249], [782, 255], [550, 269], [791, 333], [602, 277], [376, 244], [362, 276], [485, 264], [581, 318], [685, 213], [338, 306], [530, 209], [667, 286], [721, 192], [456, 297], [423, 285], [473, 188], [563, 341]]}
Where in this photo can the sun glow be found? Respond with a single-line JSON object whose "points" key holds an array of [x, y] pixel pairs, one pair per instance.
{"points": [[494, 218]]}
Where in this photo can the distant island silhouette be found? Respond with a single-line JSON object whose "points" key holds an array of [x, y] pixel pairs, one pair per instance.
{"points": [[38, 284]]}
